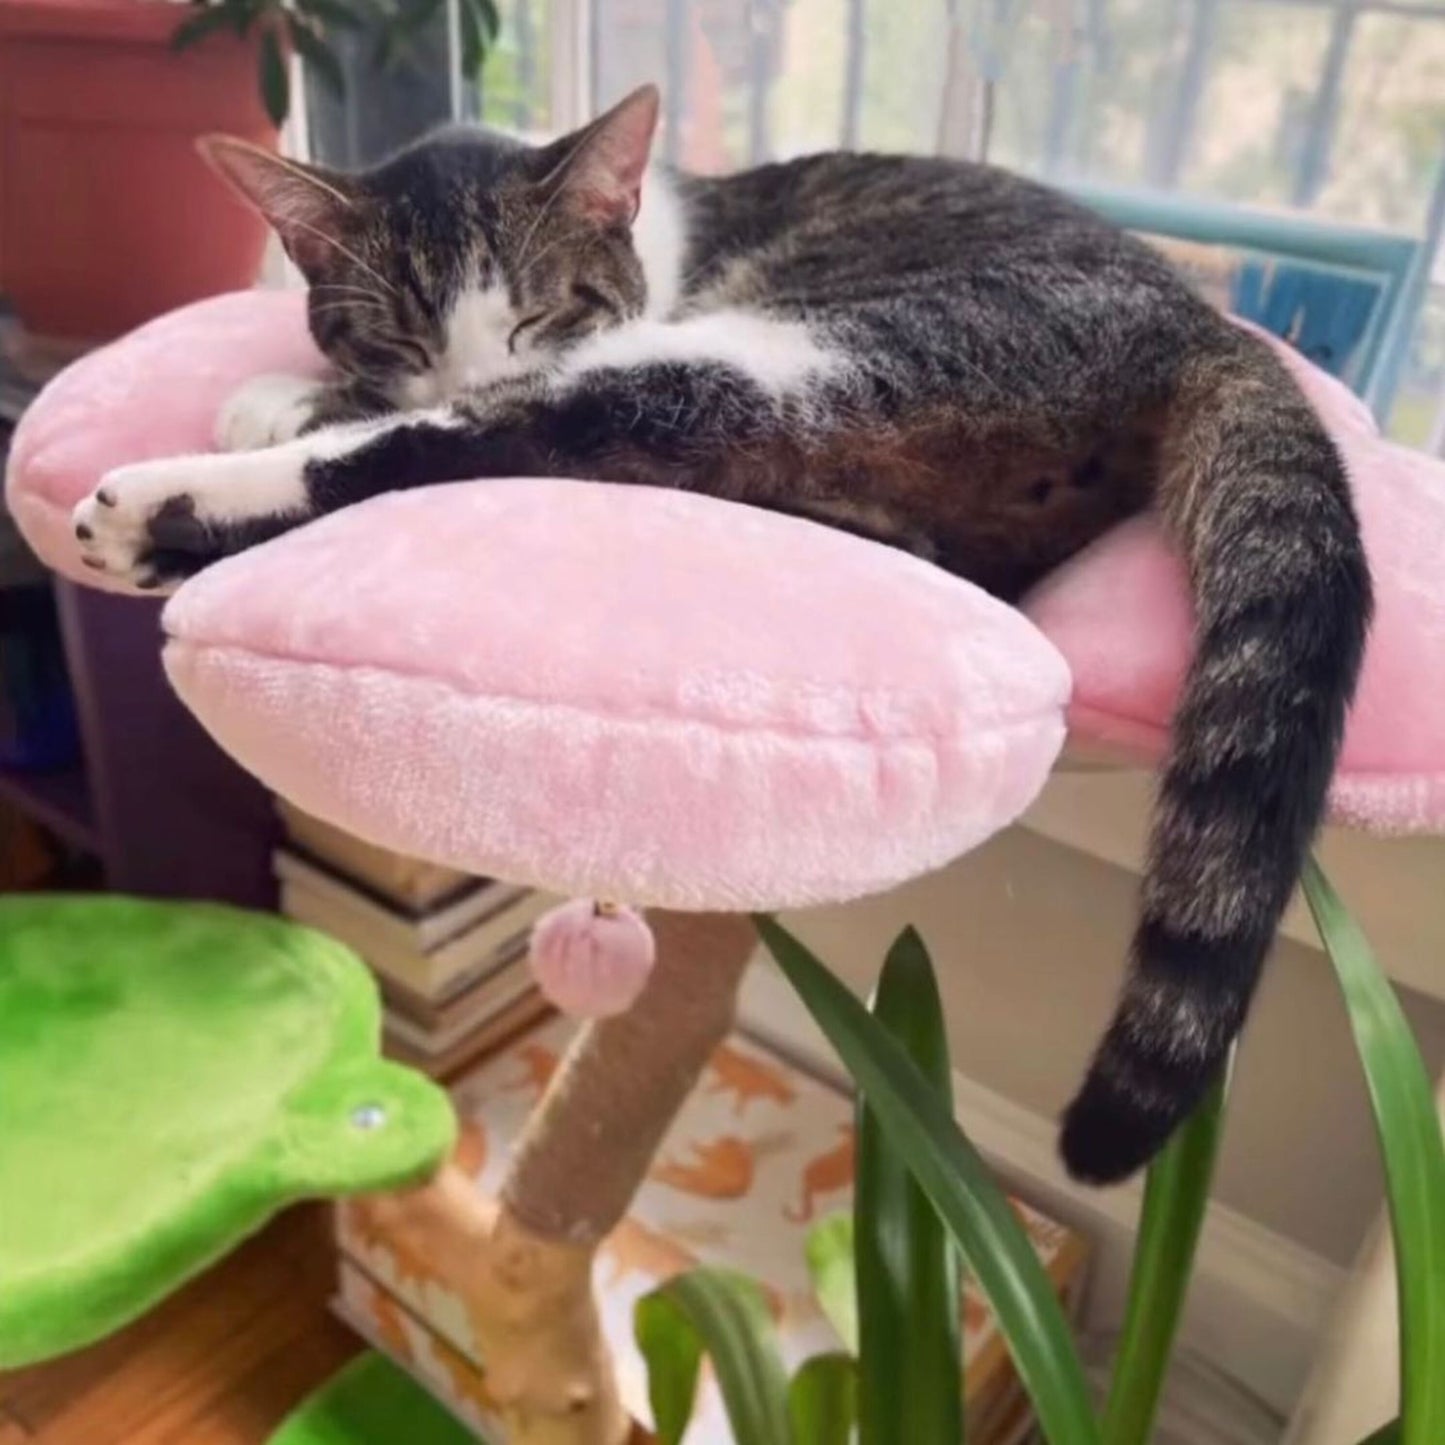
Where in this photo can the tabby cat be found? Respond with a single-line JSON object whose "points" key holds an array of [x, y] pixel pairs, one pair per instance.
{"points": [[937, 355]]}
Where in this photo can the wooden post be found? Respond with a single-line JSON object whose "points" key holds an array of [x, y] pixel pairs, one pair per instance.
{"points": [[523, 1262]]}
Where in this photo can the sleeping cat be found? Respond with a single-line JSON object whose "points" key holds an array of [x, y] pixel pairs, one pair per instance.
{"points": [[937, 355]]}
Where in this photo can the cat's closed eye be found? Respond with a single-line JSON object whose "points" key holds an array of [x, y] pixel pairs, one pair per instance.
{"points": [[591, 297], [521, 329], [415, 353]]}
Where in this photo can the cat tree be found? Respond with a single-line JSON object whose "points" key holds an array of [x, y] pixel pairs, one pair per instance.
{"points": [[687, 704]]}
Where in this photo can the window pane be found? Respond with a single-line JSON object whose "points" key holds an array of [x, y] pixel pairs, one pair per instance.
{"points": [[514, 89]]}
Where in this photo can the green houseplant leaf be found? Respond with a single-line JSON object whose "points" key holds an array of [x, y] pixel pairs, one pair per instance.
{"points": [[956, 1179], [1414, 1156], [830, 1263], [204, 22], [275, 87], [910, 1384], [1175, 1198], [823, 1400], [725, 1316], [336, 13], [317, 54]]}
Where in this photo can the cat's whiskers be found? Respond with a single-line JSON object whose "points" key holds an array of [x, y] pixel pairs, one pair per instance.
{"points": [[547, 205], [566, 238], [369, 307], [365, 292], [347, 252]]}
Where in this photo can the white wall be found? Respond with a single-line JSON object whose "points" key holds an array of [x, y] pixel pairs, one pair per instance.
{"points": [[1029, 938]]}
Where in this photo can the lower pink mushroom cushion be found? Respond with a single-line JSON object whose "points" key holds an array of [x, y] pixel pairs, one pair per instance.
{"points": [[623, 692]]}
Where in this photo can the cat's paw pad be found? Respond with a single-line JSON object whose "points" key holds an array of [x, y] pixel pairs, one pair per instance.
{"points": [[140, 526], [266, 411]]}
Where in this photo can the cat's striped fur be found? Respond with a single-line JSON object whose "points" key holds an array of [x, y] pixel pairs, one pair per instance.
{"points": [[938, 355]]}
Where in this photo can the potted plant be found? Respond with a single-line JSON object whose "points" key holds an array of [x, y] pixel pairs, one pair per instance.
{"points": [[394, 53], [925, 1198], [107, 215]]}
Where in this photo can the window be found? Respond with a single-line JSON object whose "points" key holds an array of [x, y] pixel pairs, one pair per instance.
{"points": [[1334, 107]]}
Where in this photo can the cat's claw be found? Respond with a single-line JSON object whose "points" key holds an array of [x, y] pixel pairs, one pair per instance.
{"points": [[140, 526], [266, 411]]}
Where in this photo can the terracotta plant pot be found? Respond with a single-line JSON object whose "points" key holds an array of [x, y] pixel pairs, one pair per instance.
{"points": [[107, 214]]}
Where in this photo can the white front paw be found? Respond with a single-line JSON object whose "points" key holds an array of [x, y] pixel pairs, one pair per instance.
{"points": [[267, 410], [124, 526]]}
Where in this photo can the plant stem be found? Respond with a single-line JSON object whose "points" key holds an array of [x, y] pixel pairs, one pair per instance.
{"points": [[1175, 1199]]}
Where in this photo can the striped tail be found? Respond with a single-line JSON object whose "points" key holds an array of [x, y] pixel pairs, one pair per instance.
{"points": [[1256, 496]]}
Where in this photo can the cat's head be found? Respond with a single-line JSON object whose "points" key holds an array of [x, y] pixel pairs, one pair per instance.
{"points": [[466, 258]]}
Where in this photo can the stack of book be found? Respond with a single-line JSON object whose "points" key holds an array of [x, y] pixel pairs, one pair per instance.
{"points": [[449, 950]]}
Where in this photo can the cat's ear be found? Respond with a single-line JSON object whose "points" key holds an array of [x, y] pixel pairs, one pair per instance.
{"points": [[599, 169], [307, 207]]}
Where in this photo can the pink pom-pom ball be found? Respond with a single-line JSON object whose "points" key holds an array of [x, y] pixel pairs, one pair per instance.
{"points": [[591, 960]]}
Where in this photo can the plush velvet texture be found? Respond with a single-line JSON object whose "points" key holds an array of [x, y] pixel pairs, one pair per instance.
{"points": [[590, 961], [170, 1075], [623, 693], [154, 393], [1120, 612]]}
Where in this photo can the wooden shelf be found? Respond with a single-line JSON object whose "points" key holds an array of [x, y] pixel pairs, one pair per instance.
{"points": [[59, 801]]}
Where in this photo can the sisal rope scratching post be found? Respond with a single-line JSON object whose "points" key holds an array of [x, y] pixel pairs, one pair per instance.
{"points": [[523, 1262]]}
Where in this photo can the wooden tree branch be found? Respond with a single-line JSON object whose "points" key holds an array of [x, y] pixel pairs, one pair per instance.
{"points": [[524, 1262]]}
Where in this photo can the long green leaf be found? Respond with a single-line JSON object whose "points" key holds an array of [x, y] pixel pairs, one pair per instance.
{"points": [[198, 26], [1408, 1126], [473, 38], [335, 13], [1175, 1199], [956, 1179], [1385, 1435], [830, 1263], [673, 1352], [726, 1316], [275, 87], [910, 1384], [317, 54], [823, 1400]]}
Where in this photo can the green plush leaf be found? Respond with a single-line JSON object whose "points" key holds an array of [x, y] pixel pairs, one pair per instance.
{"points": [[910, 1384], [1408, 1126], [823, 1400], [275, 87], [830, 1262], [956, 1179], [198, 26], [317, 54], [1175, 1199], [726, 1316]]}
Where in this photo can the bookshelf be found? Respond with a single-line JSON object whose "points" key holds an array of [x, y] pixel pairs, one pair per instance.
{"points": [[58, 801]]}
